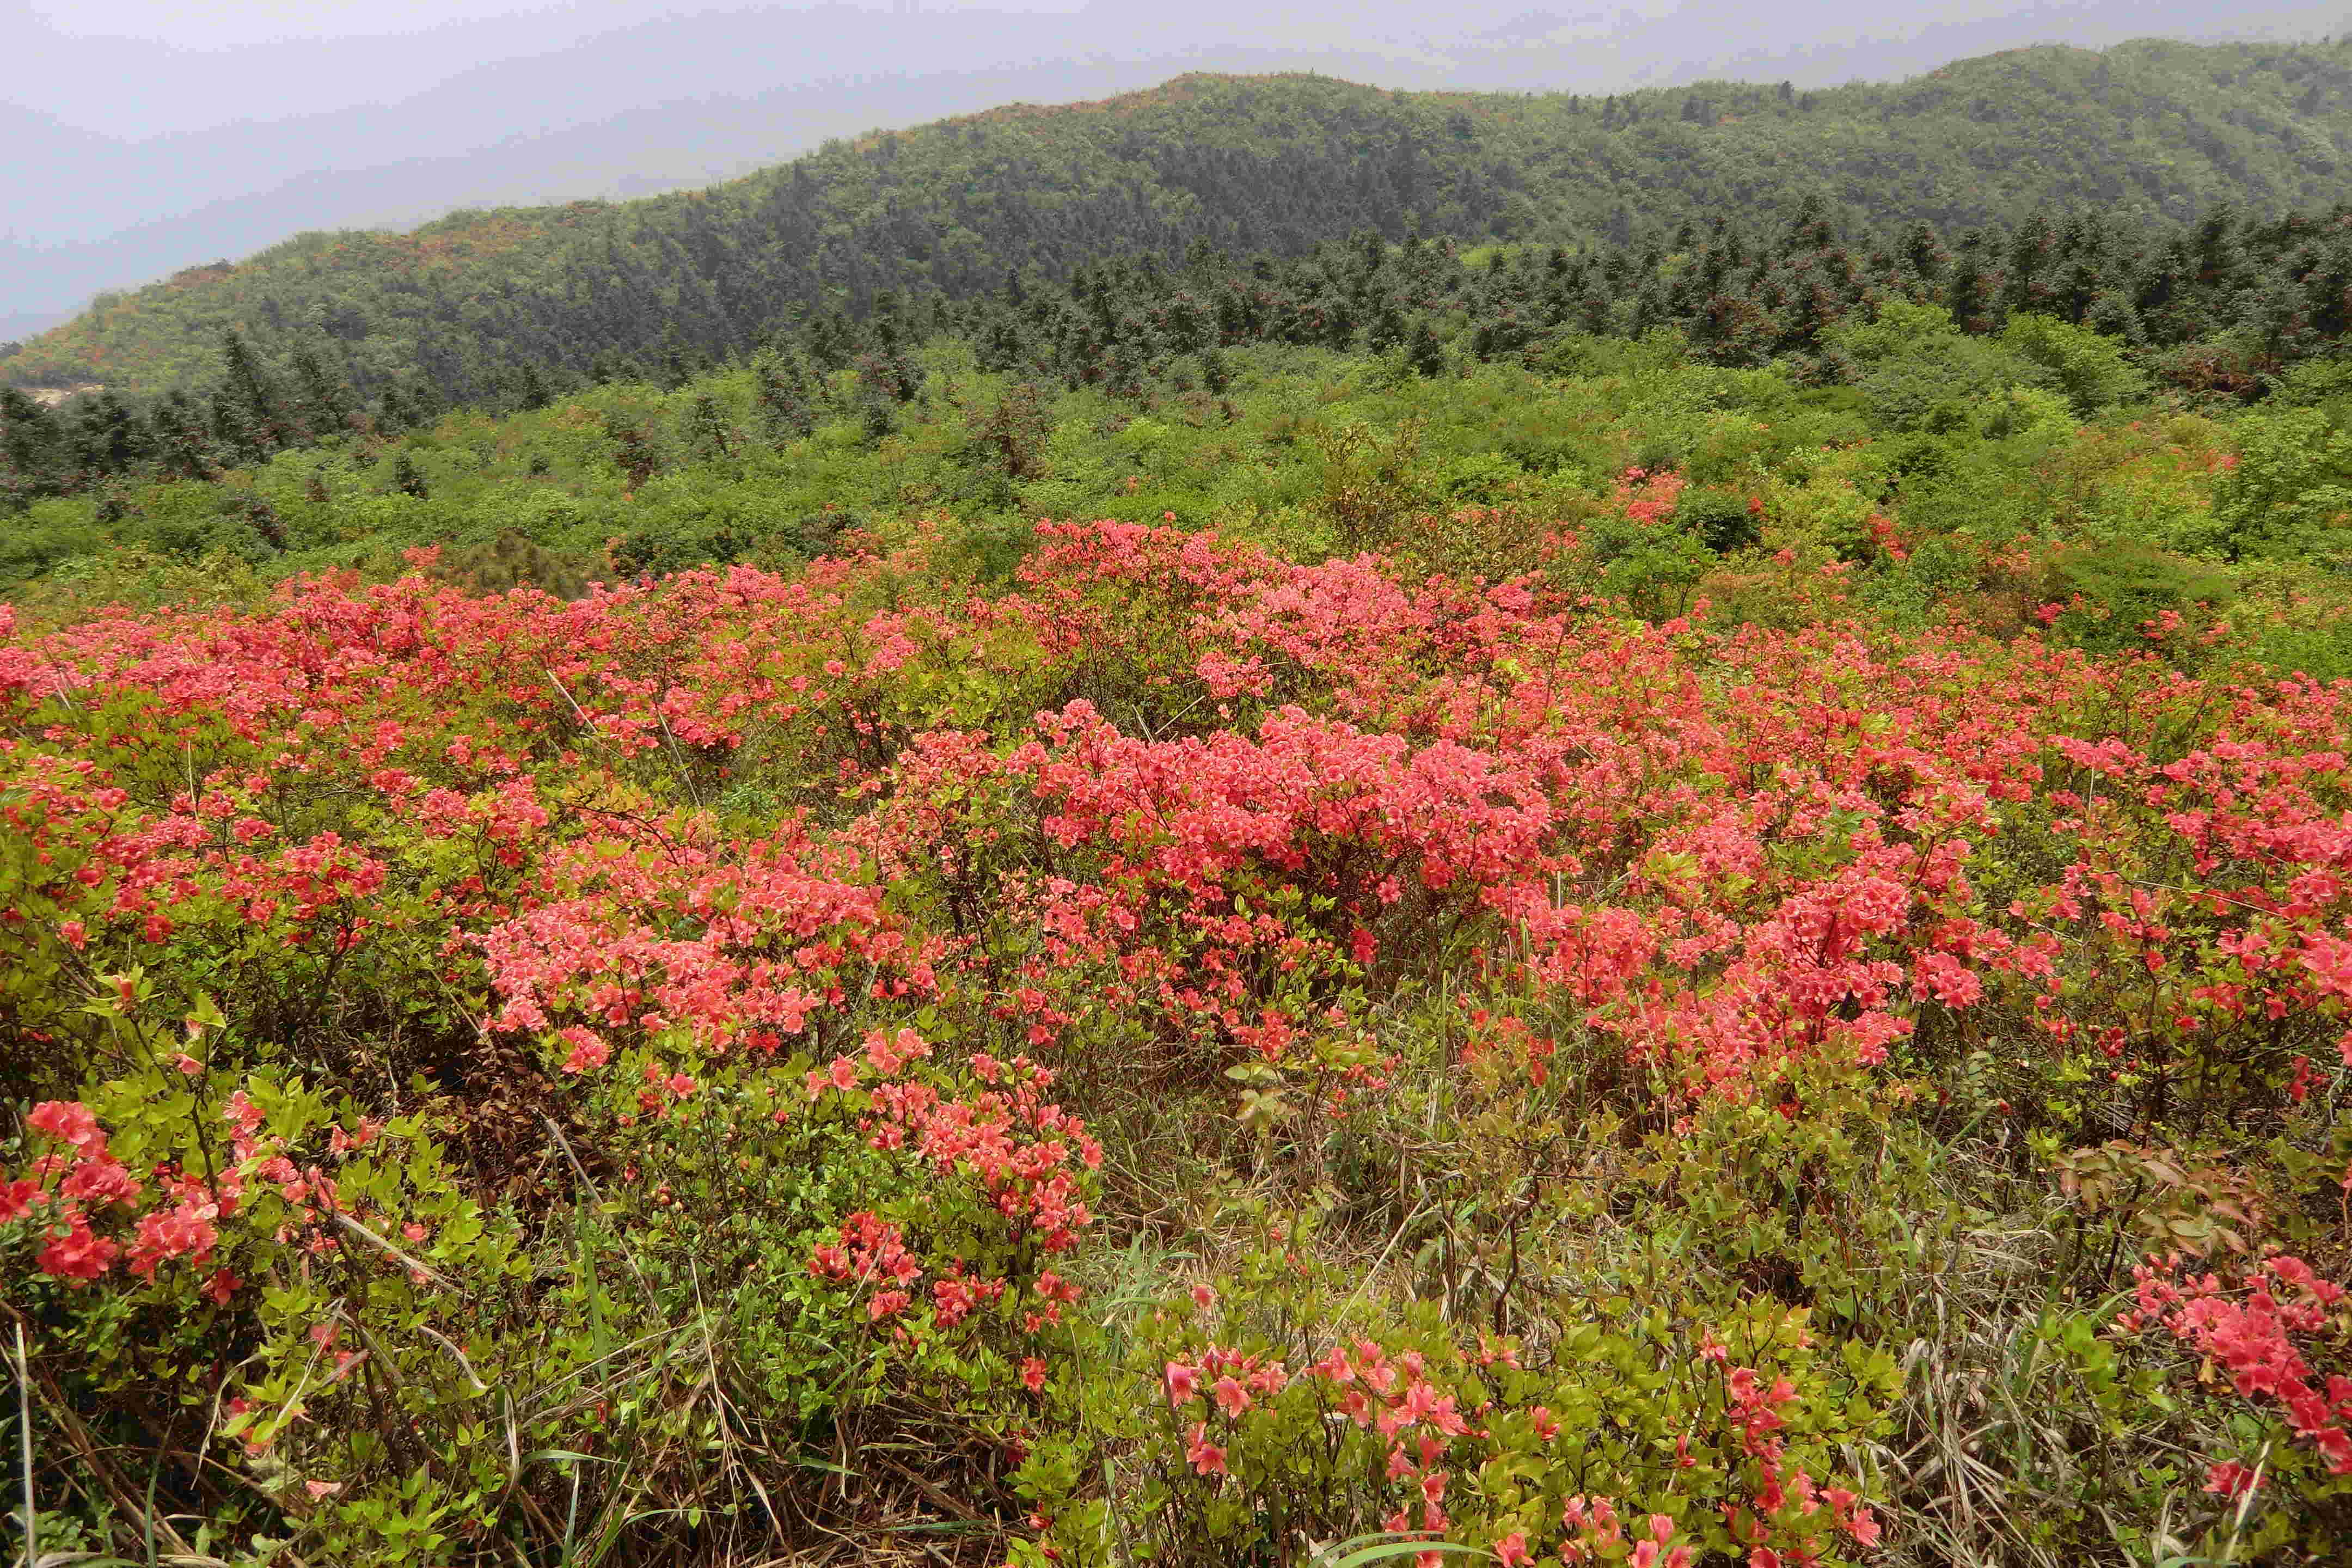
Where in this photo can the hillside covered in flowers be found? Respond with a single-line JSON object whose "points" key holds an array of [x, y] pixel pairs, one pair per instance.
{"points": [[1182, 1055]]}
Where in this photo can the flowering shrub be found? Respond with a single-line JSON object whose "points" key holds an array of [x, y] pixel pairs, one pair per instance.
{"points": [[2277, 1338], [499, 1074], [1645, 1440]]}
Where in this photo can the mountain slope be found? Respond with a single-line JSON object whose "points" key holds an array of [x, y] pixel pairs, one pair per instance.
{"points": [[2152, 129], [130, 157]]}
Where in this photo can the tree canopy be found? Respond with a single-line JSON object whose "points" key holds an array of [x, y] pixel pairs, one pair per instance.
{"points": [[2154, 133]]}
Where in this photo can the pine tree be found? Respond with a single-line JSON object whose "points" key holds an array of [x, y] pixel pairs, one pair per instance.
{"points": [[1968, 293], [2026, 284], [183, 445], [390, 412], [408, 479], [249, 414], [426, 402], [709, 434], [1424, 352], [262, 517], [787, 406], [831, 340], [1215, 374], [1811, 229], [33, 447], [680, 360], [1922, 253], [108, 438], [325, 402]]}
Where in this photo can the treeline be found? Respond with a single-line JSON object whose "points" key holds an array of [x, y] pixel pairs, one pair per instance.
{"points": [[250, 413], [2219, 309], [2154, 132]]}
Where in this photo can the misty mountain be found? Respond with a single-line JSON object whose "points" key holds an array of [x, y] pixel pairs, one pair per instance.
{"points": [[187, 159], [2150, 131]]}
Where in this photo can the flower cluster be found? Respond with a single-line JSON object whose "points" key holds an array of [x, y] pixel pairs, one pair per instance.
{"points": [[64, 1189], [2250, 1334], [818, 909]]}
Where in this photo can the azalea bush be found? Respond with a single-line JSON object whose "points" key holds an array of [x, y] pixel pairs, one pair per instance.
{"points": [[1185, 1056], [1637, 1430]]}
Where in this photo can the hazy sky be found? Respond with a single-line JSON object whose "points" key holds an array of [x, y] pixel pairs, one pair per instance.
{"points": [[228, 24], [133, 69], [146, 135]]}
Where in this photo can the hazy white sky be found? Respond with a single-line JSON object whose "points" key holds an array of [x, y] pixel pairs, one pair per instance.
{"points": [[219, 24], [134, 68], [129, 69], [212, 25]]}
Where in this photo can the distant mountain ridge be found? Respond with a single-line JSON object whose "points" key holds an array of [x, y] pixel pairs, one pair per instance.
{"points": [[130, 157], [2147, 130]]}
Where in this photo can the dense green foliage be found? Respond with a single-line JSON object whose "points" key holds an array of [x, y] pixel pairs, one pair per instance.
{"points": [[2155, 132], [2158, 427], [2100, 310], [1629, 953], [1675, 900]]}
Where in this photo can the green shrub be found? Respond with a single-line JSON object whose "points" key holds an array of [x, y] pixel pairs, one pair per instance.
{"points": [[2289, 495], [2090, 368]]}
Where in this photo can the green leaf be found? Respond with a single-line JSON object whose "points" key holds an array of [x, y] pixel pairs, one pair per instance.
{"points": [[1387, 1546]]}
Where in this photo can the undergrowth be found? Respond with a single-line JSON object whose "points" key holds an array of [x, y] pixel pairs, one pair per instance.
{"points": [[1460, 1048]]}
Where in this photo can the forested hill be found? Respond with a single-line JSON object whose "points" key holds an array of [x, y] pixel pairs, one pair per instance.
{"points": [[2152, 129]]}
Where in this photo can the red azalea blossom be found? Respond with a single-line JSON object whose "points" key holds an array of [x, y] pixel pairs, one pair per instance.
{"points": [[1720, 861]]}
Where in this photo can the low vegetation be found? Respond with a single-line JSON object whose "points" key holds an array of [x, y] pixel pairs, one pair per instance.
{"points": [[1677, 906], [1624, 960]]}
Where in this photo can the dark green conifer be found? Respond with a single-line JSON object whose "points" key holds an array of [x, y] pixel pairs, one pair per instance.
{"points": [[408, 479]]}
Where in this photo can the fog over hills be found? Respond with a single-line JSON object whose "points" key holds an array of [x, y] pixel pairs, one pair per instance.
{"points": [[146, 141]]}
